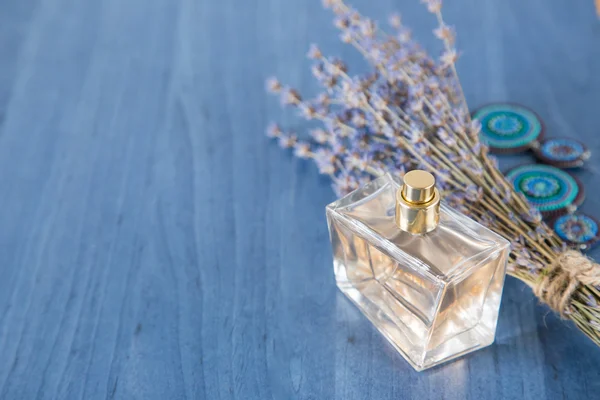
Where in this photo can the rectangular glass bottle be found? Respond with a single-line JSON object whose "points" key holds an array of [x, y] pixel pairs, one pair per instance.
{"points": [[434, 295]]}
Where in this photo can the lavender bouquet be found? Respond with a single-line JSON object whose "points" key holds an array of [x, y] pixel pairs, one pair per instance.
{"points": [[410, 112]]}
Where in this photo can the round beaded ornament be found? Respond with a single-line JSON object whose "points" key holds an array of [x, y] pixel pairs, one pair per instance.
{"points": [[548, 188], [508, 128], [578, 229], [561, 152], [512, 128]]}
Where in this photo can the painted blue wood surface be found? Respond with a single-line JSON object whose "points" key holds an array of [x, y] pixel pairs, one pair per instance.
{"points": [[154, 245]]}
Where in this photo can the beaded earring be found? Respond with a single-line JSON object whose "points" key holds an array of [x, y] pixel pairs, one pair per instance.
{"points": [[551, 190], [580, 230], [509, 129]]}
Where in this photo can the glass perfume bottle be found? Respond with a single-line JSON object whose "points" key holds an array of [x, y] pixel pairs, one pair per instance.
{"points": [[428, 277]]}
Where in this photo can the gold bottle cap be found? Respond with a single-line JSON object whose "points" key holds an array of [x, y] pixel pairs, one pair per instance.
{"points": [[418, 186], [418, 203]]}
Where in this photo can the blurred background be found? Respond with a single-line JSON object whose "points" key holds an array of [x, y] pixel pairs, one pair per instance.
{"points": [[155, 245]]}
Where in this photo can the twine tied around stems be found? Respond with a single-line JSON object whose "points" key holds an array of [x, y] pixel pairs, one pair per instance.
{"points": [[563, 277]]}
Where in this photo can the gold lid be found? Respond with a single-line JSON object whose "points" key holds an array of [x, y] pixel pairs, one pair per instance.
{"points": [[418, 203]]}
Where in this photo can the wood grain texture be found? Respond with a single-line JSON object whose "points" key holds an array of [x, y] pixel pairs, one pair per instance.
{"points": [[155, 245]]}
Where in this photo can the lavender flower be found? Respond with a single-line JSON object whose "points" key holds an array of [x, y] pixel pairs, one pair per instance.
{"points": [[445, 33], [404, 35], [308, 111], [448, 57], [433, 6], [287, 140], [273, 130], [289, 96], [532, 215], [346, 36], [342, 22], [302, 150], [319, 135], [314, 52], [273, 85], [395, 21], [331, 3], [447, 139], [368, 28], [325, 159]]}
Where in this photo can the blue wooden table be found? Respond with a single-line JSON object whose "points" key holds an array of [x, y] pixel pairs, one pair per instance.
{"points": [[154, 245]]}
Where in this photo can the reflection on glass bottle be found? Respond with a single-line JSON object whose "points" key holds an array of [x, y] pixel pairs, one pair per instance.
{"points": [[429, 278]]}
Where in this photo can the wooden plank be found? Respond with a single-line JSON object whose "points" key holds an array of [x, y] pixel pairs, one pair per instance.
{"points": [[155, 245]]}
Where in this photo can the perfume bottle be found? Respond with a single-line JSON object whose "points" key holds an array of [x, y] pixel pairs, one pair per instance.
{"points": [[429, 278]]}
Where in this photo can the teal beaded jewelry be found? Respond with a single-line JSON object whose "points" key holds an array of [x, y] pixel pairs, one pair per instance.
{"points": [[511, 128], [579, 230], [551, 190]]}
